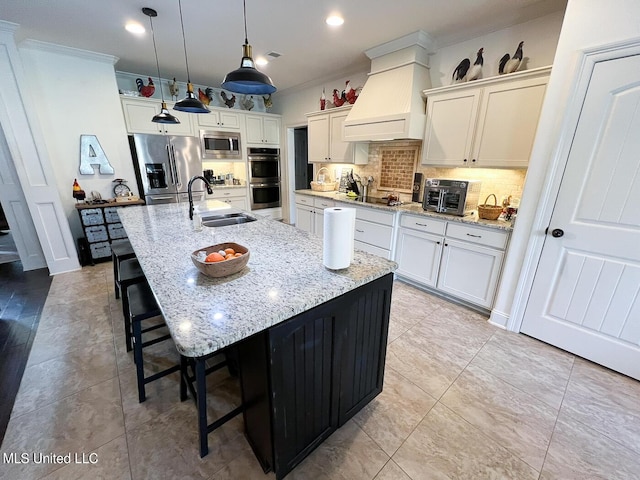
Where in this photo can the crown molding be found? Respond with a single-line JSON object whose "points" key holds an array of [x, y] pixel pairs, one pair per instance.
{"points": [[37, 45]]}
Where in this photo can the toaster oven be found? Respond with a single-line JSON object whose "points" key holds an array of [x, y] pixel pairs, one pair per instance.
{"points": [[455, 197]]}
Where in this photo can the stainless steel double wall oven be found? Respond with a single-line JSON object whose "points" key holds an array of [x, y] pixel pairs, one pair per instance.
{"points": [[264, 177]]}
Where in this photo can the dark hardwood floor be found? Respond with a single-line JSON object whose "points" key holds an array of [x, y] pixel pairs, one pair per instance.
{"points": [[22, 296]]}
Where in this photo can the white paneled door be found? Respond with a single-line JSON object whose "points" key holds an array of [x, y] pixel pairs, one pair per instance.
{"points": [[585, 296]]}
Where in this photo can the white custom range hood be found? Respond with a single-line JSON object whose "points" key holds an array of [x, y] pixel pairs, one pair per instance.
{"points": [[390, 105]]}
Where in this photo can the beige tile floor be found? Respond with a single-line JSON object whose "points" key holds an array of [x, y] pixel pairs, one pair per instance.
{"points": [[461, 400]]}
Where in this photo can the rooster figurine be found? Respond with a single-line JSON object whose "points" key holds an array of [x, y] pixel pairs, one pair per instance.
{"points": [[338, 101], [247, 102], [229, 102], [350, 93], [508, 64], [174, 90], [476, 69], [78, 193], [203, 97], [268, 103], [460, 73], [145, 90]]}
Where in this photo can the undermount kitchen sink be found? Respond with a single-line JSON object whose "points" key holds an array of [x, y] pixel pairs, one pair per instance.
{"points": [[223, 220]]}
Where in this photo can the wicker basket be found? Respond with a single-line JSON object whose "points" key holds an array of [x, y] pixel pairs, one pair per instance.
{"points": [[489, 212], [322, 186]]}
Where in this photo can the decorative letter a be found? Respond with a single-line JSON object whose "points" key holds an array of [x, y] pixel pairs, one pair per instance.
{"points": [[91, 153]]}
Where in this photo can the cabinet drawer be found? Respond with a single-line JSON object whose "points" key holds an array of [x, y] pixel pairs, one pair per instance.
{"points": [[220, 193], [116, 231], [96, 234], [100, 250], [111, 215], [377, 216], [304, 200], [424, 224], [92, 216], [373, 233], [483, 236], [323, 203], [365, 247]]}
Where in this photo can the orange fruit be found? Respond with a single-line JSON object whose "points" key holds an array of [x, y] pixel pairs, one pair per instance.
{"points": [[237, 254], [214, 257], [229, 251], [229, 256]]}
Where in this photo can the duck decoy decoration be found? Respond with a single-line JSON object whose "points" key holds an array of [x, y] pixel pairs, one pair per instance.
{"points": [[475, 71], [510, 64]]}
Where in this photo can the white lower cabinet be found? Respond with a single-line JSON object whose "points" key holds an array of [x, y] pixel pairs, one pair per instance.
{"points": [[310, 213], [460, 260], [418, 256], [470, 272]]}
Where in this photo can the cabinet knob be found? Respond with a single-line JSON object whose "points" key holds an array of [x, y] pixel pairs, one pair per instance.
{"points": [[473, 160], [557, 232], [465, 160]]}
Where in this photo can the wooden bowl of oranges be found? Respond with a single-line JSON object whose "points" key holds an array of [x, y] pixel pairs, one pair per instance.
{"points": [[221, 259]]}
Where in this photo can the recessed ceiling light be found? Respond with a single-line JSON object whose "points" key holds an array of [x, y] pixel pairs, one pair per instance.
{"points": [[261, 61], [334, 20], [135, 28]]}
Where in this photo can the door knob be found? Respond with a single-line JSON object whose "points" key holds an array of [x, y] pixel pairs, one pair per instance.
{"points": [[557, 232]]}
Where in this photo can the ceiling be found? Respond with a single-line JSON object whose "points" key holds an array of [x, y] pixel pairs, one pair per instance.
{"points": [[311, 50]]}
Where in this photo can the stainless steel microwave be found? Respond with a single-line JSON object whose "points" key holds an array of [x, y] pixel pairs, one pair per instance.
{"points": [[455, 197], [217, 145]]}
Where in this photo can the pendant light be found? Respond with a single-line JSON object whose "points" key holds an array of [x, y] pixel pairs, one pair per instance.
{"points": [[164, 116], [247, 79], [190, 103]]}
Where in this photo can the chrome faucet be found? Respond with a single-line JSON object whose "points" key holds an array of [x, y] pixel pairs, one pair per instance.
{"points": [[209, 191]]}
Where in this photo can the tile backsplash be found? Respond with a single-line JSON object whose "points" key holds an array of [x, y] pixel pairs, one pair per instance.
{"points": [[499, 181]]}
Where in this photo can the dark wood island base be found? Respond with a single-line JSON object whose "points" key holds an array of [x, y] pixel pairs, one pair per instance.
{"points": [[304, 378]]}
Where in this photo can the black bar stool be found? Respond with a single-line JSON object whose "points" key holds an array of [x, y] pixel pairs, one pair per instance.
{"points": [[193, 372], [129, 273], [142, 305], [120, 250]]}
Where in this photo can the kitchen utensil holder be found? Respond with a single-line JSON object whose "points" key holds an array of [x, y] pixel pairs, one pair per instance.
{"points": [[489, 212]]}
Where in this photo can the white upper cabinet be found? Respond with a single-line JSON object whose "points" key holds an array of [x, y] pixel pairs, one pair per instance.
{"points": [[325, 139], [451, 119], [485, 123], [263, 129], [219, 120], [138, 113]]}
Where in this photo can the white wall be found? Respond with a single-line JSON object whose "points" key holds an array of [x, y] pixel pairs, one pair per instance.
{"points": [[587, 23], [540, 38], [75, 93]]}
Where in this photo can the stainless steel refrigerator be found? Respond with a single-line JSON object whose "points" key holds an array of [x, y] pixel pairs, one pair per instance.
{"points": [[164, 164]]}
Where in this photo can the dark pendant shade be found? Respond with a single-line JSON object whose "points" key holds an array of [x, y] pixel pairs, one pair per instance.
{"points": [[164, 116], [190, 103], [247, 79]]}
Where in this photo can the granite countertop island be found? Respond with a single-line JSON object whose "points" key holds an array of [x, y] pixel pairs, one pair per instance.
{"points": [[284, 277], [310, 342]]}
